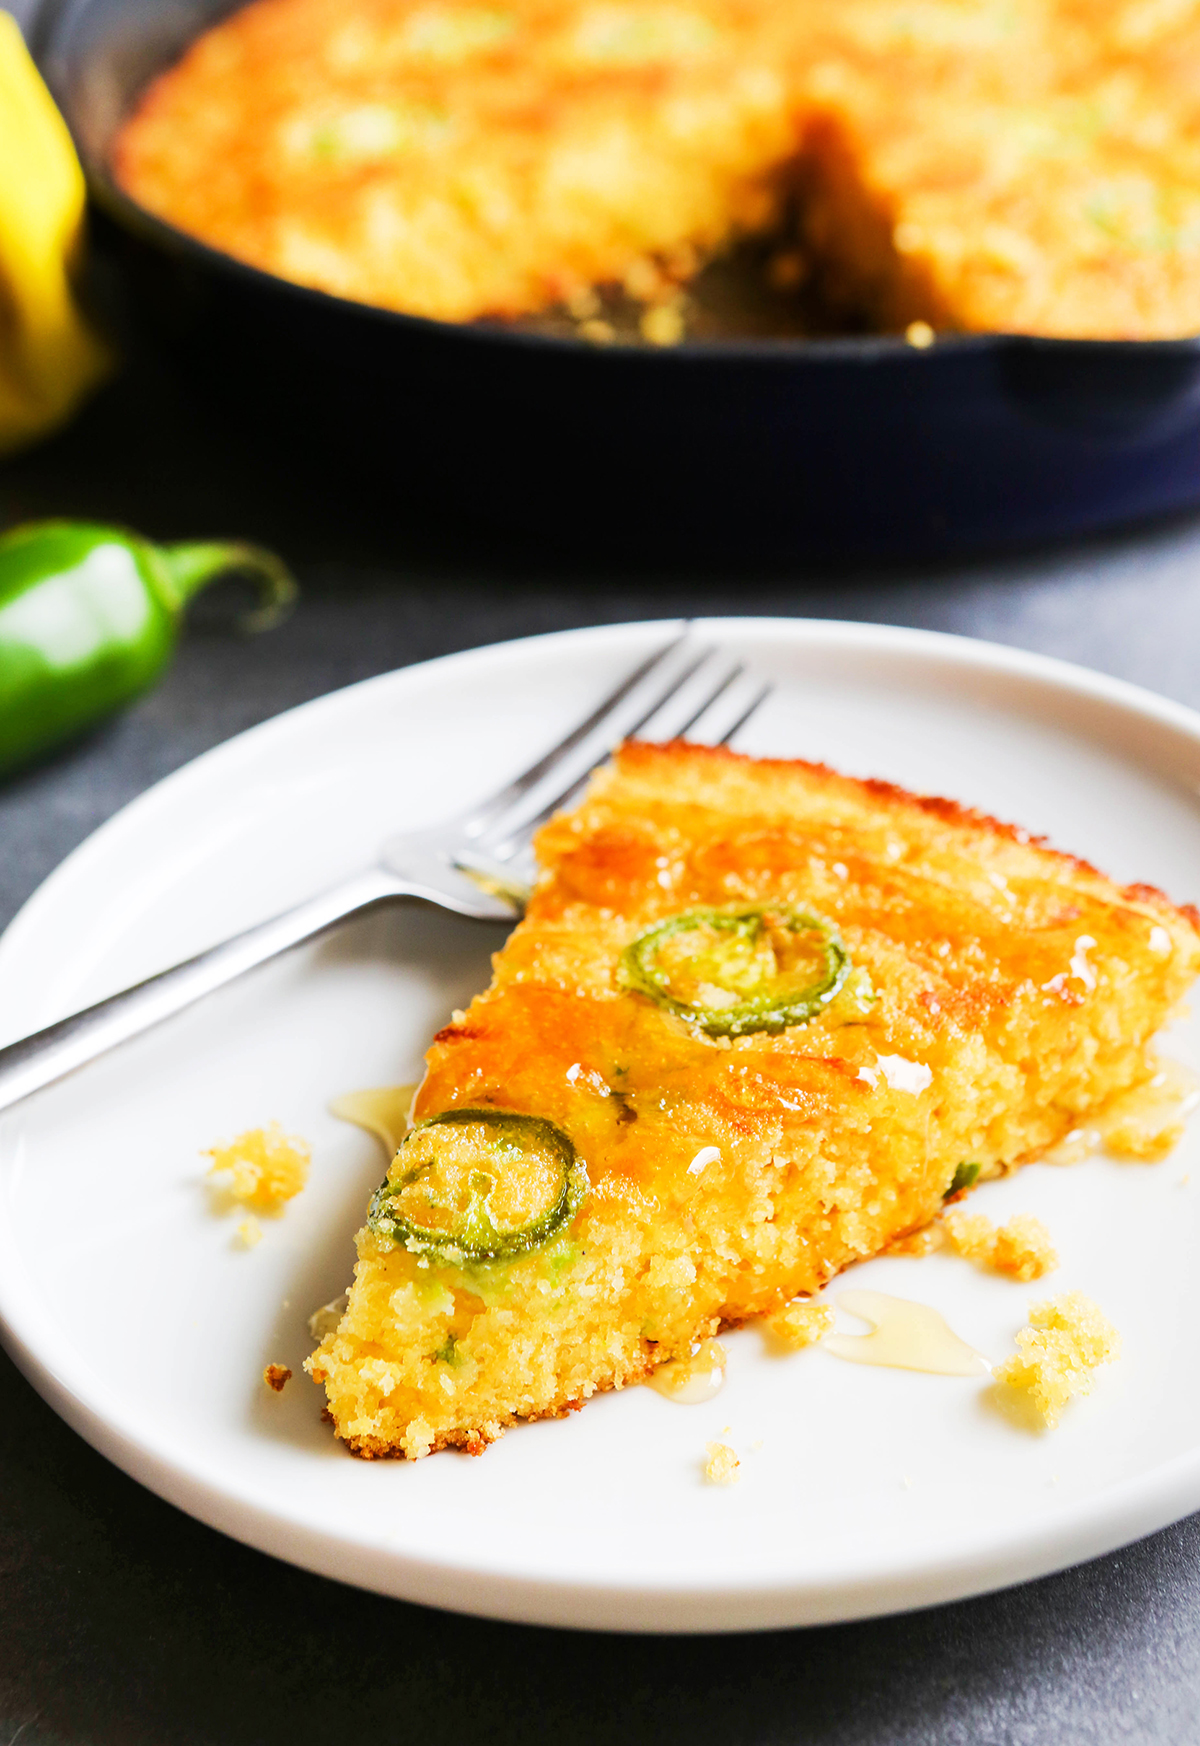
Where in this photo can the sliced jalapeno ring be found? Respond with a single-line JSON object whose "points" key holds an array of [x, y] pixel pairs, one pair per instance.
{"points": [[731, 981], [440, 1196]]}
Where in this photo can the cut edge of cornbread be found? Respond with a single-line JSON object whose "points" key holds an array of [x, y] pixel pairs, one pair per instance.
{"points": [[848, 230]]}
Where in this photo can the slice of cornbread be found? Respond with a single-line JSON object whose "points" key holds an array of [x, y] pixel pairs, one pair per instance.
{"points": [[756, 1017]]}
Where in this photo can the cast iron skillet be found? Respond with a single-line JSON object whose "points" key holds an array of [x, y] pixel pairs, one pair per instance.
{"points": [[857, 446]]}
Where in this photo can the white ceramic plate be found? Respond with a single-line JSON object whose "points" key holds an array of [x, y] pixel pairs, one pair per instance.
{"points": [[130, 1307]]}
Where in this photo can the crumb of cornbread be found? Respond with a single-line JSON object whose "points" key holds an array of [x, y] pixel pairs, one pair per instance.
{"points": [[263, 1168], [276, 1376], [722, 1464], [1067, 1337], [801, 1324], [1021, 1248], [249, 1232]]}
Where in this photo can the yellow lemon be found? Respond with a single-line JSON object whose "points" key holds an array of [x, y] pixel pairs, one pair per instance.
{"points": [[49, 357]]}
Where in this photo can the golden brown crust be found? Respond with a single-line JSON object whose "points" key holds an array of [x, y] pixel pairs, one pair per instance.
{"points": [[952, 812], [465, 160], [650, 756]]}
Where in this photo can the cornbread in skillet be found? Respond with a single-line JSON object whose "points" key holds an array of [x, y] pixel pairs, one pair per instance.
{"points": [[985, 166], [664, 1143], [471, 159], [1024, 165]]}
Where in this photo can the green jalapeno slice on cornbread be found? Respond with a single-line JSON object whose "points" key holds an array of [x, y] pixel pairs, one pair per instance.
{"points": [[479, 1185], [736, 971]]}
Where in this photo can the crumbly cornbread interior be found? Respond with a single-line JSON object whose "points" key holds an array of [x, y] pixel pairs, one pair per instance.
{"points": [[1022, 165], [997, 994]]}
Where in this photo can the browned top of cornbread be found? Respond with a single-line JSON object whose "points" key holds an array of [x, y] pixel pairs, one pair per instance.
{"points": [[465, 160], [966, 926], [1033, 168]]}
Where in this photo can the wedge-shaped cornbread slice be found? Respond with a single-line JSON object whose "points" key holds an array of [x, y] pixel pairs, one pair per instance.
{"points": [[757, 1016]]}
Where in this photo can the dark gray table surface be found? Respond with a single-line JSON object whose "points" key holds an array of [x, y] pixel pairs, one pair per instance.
{"points": [[121, 1620]]}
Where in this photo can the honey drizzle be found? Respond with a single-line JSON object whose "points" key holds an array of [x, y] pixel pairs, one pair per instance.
{"points": [[689, 1381], [383, 1112], [904, 1336]]}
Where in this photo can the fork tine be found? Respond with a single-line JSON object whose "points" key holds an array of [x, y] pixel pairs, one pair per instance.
{"points": [[515, 826], [663, 698], [498, 822], [511, 842], [756, 702], [490, 810], [685, 727], [714, 717]]}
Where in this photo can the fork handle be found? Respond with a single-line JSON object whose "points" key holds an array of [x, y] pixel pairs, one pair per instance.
{"points": [[26, 1066]]}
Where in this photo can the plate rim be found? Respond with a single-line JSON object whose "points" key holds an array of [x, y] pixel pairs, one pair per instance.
{"points": [[1121, 1513]]}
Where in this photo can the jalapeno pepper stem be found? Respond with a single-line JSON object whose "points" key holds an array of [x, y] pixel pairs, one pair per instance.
{"points": [[193, 564]]}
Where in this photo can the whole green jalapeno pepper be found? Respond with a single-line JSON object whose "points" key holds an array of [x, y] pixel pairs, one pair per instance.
{"points": [[479, 1185], [732, 972], [89, 619]]}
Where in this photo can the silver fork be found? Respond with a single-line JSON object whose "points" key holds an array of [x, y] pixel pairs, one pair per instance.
{"points": [[477, 864]]}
